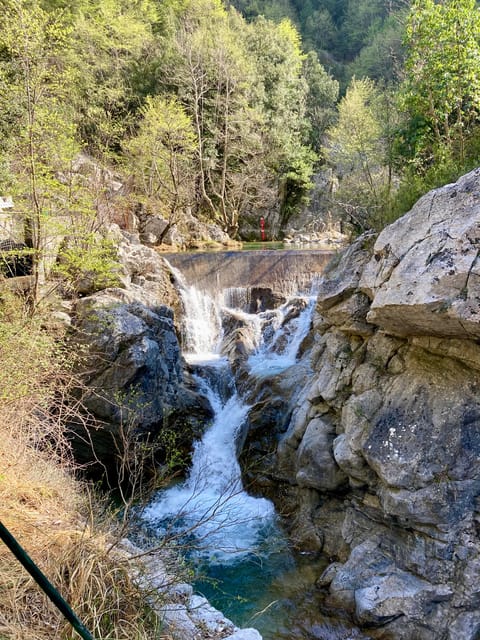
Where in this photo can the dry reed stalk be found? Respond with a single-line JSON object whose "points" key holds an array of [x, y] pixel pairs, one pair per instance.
{"points": [[49, 511]]}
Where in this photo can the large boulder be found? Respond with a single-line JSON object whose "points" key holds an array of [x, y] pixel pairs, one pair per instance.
{"points": [[388, 425], [424, 278], [135, 384]]}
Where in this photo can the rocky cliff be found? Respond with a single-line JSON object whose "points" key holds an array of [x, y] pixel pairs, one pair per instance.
{"points": [[135, 384], [381, 458]]}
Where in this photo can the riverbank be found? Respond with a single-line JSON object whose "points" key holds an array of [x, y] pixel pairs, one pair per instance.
{"points": [[66, 527]]}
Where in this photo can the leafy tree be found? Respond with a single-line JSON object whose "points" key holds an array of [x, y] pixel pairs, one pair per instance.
{"points": [[339, 31], [41, 138], [110, 48], [320, 32], [321, 99], [275, 10], [206, 65], [35, 89], [283, 100], [442, 84], [362, 19], [242, 86], [382, 58], [359, 149], [161, 159]]}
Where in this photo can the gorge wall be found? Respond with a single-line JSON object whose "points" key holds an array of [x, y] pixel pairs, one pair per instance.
{"points": [[380, 462]]}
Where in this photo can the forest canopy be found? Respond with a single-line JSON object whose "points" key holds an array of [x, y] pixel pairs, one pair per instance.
{"points": [[223, 111]]}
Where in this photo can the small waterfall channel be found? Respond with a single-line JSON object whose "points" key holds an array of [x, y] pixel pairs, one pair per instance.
{"points": [[233, 539]]}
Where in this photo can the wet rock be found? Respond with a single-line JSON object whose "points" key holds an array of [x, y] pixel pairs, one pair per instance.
{"points": [[240, 338], [263, 299]]}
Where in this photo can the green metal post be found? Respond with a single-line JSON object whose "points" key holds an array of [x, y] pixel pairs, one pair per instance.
{"points": [[44, 583]]}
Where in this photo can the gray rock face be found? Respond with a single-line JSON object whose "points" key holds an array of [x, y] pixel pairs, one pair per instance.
{"points": [[134, 377], [425, 274], [389, 424]]}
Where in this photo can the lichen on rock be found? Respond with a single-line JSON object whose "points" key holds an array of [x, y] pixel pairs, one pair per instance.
{"points": [[388, 423]]}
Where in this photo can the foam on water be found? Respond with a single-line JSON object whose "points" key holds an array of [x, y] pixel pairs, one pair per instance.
{"points": [[270, 358], [222, 521], [247, 566]]}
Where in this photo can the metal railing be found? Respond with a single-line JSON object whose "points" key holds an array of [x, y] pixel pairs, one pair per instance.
{"points": [[40, 578]]}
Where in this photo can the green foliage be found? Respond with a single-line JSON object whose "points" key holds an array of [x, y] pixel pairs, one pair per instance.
{"points": [[321, 99], [244, 89], [351, 37], [109, 53], [442, 84], [381, 57], [87, 261], [283, 95], [209, 115], [359, 148], [160, 158], [417, 180], [53, 201]]}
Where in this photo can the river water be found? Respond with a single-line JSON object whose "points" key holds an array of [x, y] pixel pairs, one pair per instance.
{"points": [[234, 541]]}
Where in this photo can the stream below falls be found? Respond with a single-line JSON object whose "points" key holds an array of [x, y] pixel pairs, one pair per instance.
{"points": [[234, 541]]}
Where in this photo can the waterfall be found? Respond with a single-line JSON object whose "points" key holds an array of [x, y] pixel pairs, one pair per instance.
{"points": [[281, 350], [242, 560], [202, 329], [222, 521]]}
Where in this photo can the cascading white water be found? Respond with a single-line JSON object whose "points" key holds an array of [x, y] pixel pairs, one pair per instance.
{"points": [[223, 520], [280, 351], [231, 534], [202, 322]]}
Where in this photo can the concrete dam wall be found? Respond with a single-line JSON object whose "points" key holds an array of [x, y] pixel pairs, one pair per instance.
{"points": [[285, 271]]}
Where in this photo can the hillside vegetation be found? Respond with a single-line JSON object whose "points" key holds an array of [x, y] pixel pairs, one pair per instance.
{"points": [[351, 37], [54, 517], [211, 113]]}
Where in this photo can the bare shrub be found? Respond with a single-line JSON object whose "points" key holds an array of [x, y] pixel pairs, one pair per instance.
{"points": [[52, 515]]}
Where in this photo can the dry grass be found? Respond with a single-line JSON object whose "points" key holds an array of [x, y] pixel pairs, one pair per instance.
{"points": [[49, 512]]}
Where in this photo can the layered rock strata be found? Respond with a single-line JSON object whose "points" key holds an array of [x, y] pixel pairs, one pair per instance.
{"points": [[381, 459]]}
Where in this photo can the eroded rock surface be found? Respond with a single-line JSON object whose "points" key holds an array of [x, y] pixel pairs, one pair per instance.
{"points": [[135, 382], [381, 459]]}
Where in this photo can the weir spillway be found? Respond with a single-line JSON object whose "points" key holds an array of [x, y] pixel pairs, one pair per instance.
{"points": [[287, 271]]}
